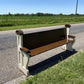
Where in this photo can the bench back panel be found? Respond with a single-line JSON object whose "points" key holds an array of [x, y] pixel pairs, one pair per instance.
{"points": [[34, 40]]}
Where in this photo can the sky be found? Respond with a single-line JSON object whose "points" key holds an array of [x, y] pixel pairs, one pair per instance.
{"points": [[43, 6]]}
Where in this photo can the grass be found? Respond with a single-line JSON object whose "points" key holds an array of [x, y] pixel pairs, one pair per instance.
{"points": [[69, 71], [21, 22], [33, 26]]}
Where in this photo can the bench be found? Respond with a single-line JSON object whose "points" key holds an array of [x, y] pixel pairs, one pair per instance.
{"points": [[31, 44]]}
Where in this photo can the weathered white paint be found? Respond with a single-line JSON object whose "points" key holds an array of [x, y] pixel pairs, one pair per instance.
{"points": [[67, 31], [23, 58], [68, 46]]}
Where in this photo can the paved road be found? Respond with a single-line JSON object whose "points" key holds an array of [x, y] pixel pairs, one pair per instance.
{"points": [[8, 57]]}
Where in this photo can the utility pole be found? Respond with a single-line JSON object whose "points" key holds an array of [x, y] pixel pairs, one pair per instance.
{"points": [[76, 8]]}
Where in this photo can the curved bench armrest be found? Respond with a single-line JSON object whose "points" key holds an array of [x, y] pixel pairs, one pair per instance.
{"points": [[70, 36], [25, 50]]}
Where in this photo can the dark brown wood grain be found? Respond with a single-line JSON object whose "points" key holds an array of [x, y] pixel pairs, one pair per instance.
{"points": [[19, 32], [68, 25], [49, 46], [44, 48], [38, 39]]}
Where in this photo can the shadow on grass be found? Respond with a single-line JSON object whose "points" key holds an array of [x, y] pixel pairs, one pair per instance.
{"points": [[37, 68]]}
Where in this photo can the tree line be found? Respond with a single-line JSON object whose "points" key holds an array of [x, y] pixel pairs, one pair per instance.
{"points": [[37, 14]]}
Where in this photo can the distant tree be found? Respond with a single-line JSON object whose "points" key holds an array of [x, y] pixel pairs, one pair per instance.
{"points": [[17, 14], [32, 14], [9, 14], [27, 14], [77, 14], [48, 14], [71, 14], [39, 14], [61, 14]]}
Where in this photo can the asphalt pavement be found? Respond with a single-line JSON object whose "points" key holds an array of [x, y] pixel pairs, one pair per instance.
{"points": [[8, 50]]}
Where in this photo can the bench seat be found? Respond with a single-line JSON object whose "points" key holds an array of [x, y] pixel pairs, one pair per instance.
{"points": [[44, 48]]}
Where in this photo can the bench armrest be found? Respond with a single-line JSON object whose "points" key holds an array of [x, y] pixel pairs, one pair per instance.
{"points": [[25, 50], [70, 36]]}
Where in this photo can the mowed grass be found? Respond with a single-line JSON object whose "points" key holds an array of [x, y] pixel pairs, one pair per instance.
{"points": [[69, 71], [22, 22]]}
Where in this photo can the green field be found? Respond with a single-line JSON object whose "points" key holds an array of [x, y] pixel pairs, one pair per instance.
{"points": [[69, 71], [20, 22]]}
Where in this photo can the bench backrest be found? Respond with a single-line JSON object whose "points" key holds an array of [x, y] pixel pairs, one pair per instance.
{"points": [[34, 40]]}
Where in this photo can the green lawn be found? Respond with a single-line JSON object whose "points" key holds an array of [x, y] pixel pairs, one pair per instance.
{"points": [[69, 71], [21, 22], [34, 26]]}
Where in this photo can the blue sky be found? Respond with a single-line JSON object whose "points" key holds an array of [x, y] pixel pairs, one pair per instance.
{"points": [[45, 6]]}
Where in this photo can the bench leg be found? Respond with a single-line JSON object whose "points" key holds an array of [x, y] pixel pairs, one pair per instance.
{"points": [[69, 46], [23, 60], [64, 47]]}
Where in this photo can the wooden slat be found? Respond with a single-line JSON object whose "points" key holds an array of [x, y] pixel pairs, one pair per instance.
{"points": [[48, 47]]}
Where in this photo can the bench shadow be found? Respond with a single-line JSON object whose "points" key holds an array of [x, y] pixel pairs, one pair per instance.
{"points": [[41, 66]]}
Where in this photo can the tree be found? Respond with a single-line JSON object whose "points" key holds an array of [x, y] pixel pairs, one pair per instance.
{"points": [[9, 14], [61, 14], [39, 14]]}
